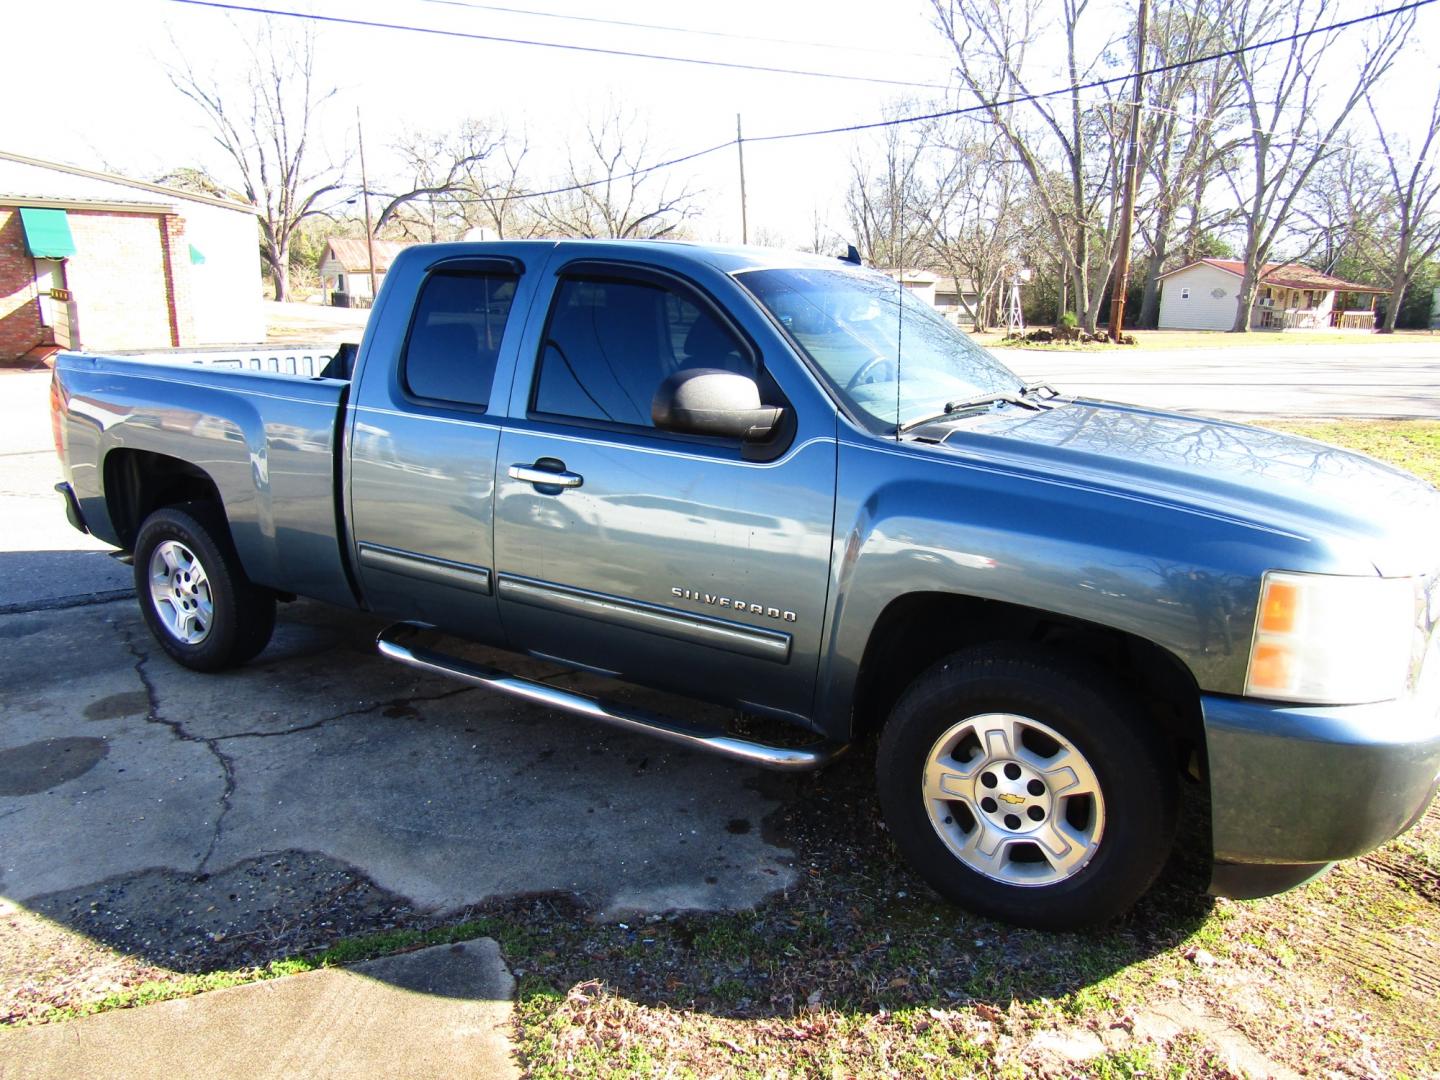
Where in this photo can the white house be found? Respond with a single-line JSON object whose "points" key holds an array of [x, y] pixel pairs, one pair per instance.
{"points": [[345, 267], [1203, 296]]}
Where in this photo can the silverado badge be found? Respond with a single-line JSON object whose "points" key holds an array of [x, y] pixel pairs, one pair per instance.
{"points": [[734, 605]]}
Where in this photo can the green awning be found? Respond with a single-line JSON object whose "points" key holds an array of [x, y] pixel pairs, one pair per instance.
{"points": [[196, 256], [47, 233]]}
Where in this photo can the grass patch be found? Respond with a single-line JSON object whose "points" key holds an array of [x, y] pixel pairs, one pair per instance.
{"points": [[1165, 340], [347, 951]]}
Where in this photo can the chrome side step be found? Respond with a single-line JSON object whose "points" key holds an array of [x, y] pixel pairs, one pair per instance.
{"points": [[788, 759]]}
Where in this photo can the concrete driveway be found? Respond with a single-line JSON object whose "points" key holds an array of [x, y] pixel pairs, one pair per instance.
{"points": [[159, 810]]}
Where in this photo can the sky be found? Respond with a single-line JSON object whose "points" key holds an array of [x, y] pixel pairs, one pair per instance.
{"points": [[98, 95]]}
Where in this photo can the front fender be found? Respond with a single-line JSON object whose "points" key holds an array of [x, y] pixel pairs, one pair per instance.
{"points": [[1184, 579]]}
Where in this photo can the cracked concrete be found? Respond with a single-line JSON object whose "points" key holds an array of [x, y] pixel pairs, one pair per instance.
{"points": [[440, 795], [319, 790]]}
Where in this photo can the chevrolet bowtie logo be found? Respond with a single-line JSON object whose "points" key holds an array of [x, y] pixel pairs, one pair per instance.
{"points": [[1013, 800]]}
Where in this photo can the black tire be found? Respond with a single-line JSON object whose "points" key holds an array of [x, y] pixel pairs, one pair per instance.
{"points": [[1129, 764], [240, 616]]}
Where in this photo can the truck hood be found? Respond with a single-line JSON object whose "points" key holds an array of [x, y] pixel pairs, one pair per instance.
{"points": [[1359, 508]]}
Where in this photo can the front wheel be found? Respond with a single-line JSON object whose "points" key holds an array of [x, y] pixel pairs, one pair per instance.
{"points": [[194, 594], [1027, 787]]}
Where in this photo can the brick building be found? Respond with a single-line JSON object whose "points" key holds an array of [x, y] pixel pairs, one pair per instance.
{"points": [[101, 262]]}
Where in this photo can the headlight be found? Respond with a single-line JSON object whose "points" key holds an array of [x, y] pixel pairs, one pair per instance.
{"points": [[1333, 640]]}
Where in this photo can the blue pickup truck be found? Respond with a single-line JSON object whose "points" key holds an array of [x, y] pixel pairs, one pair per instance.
{"points": [[780, 483]]}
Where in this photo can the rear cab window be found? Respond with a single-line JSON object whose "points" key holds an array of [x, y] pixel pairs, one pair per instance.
{"points": [[455, 336]]}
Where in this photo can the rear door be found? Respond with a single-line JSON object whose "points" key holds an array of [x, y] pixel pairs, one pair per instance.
{"points": [[684, 562], [425, 429]]}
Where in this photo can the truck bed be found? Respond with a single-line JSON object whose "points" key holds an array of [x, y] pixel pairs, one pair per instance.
{"points": [[267, 440]]}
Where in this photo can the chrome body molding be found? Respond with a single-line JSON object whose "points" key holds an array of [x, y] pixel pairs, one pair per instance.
{"points": [[787, 759], [762, 644], [699, 596], [426, 568]]}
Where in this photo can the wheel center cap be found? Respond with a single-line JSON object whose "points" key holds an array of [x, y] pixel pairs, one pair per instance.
{"points": [[1013, 796]]}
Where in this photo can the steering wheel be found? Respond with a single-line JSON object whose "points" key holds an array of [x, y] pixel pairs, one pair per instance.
{"points": [[859, 378]]}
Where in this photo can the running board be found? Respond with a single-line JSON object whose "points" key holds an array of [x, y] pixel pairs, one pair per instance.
{"points": [[788, 759]]}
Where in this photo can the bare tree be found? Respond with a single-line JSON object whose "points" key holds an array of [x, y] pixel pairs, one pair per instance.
{"points": [[767, 237], [440, 171], [195, 180], [264, 121], [1071, 149], [1297, 101], [1184, 145], [975, 231], [823, 240], [1415, 197], [884, 201], [609, 196], [498, 200], [1343, 216], [461, 180]]}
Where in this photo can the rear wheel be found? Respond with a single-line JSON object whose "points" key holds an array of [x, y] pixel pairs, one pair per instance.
{"points": [[194, 594], [1027, 787]]}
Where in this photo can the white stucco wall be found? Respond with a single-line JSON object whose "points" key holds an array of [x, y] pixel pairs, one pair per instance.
{"points": [[225, 290], [1203, 309]]}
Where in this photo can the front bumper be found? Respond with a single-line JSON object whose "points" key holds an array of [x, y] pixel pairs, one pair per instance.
{"points": [[1294, 788]]}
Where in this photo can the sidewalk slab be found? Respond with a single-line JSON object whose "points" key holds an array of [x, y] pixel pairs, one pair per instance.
{"points": [[438, 1012]]}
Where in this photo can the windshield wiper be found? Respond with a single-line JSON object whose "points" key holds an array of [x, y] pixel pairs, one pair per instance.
{"points": [[1041, 388], [963, 404]]}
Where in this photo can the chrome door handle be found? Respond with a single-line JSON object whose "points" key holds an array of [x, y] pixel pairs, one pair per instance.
{"points": [[532, 475]]}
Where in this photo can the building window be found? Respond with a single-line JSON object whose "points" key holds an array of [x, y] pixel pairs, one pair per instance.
{"points": [[1185, 294]]}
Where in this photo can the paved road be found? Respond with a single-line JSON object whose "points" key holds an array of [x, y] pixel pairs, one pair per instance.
{"points": [[1399, 379]]}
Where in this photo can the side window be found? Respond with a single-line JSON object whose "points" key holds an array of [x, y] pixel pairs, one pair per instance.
{"points": [[610, 344], [455, 336]]}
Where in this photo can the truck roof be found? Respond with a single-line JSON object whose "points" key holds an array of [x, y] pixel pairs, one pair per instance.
{"points": [[728, 258]]}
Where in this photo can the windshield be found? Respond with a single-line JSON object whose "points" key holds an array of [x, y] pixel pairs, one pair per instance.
{"points": [[853, 325]]}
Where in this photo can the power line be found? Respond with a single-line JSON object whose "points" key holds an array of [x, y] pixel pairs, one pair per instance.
{"points": [[1020, 99], [681, 29], [872, 125], [563, 46], [623, 176]]}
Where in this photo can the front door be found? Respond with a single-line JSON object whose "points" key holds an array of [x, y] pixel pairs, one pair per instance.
{"points": [[55, 304], [678, 561]]}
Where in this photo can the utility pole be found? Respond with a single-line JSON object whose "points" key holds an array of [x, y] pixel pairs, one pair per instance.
{"points": [[1132, 166], [365, 191], [740, 149]]}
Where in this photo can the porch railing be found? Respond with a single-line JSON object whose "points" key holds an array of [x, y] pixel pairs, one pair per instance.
{"points": [[1353, 320]]}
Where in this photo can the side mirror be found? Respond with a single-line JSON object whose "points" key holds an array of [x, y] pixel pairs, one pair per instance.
{"points": [[709, 401]]}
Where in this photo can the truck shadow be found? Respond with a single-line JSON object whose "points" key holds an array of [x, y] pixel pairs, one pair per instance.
{"points": [[429, 786]]}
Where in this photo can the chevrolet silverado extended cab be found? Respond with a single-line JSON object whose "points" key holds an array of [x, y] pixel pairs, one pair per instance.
{"points": [[782, 484]]}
